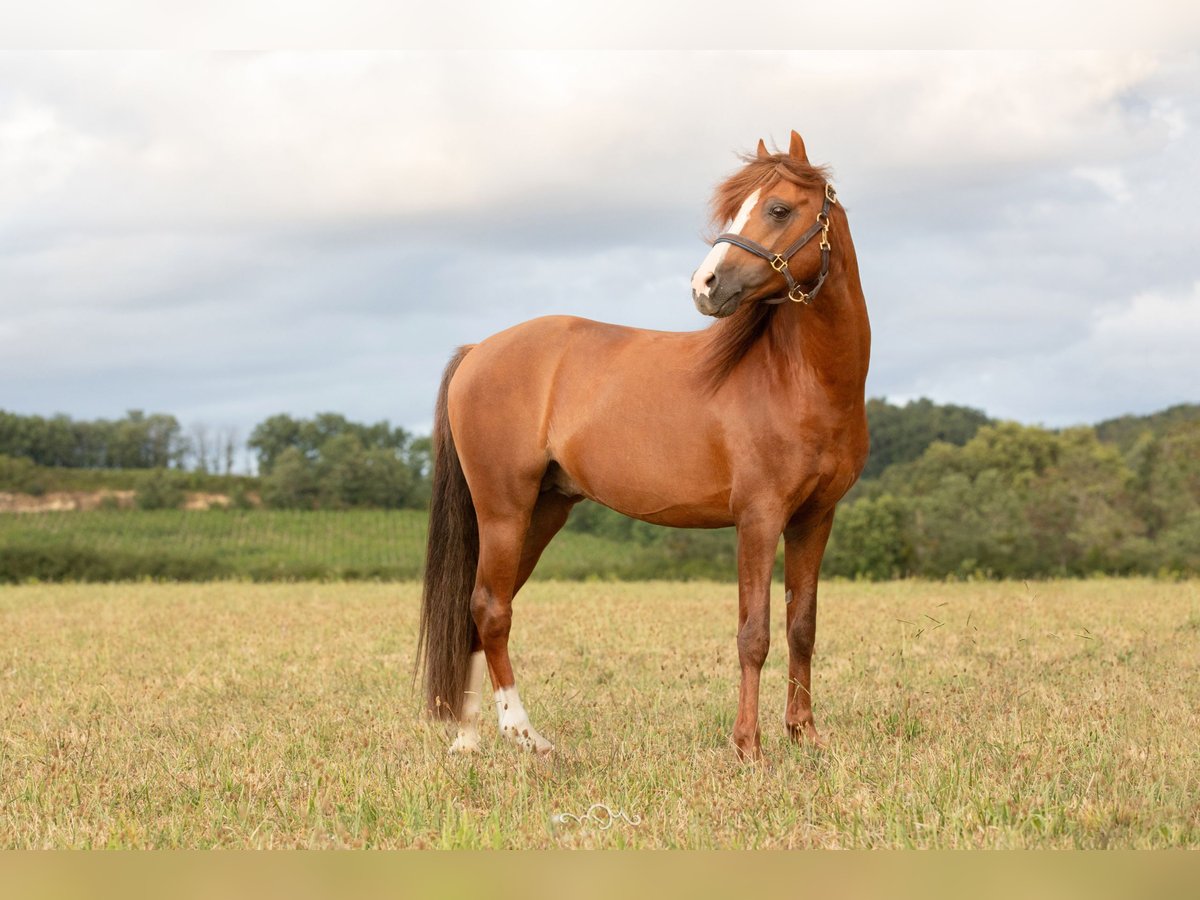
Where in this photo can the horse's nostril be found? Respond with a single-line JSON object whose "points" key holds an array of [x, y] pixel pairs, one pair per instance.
{"points": [[711, 281]]}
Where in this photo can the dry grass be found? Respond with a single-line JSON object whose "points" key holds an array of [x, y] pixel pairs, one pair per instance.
{"points": [[1055, 715]]}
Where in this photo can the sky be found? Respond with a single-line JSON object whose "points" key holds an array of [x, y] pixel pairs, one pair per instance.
{"points": [[229, 236]]}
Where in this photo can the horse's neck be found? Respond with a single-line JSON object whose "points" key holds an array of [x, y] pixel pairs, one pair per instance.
{"points": [[828, 341]]}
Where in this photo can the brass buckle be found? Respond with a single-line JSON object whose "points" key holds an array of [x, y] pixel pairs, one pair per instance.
{"points": [[779, 264], [830, 193], [825, 245], [798, 296]]}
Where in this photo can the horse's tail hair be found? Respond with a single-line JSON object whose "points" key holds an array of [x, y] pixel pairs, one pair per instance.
{"points": [[447, 629]]}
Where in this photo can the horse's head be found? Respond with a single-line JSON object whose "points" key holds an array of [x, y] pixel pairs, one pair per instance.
{"points": [[775, 245]]}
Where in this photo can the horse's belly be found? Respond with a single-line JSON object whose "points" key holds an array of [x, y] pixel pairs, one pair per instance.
{"points": [[654, 484]]}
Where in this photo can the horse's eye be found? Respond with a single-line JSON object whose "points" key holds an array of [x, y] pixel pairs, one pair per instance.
{"points": [[780, 212]]}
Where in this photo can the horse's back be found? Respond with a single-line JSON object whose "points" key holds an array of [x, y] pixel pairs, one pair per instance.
{"points": [[545, 335], [522, 358]]}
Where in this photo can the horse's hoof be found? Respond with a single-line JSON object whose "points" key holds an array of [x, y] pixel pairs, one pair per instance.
{"points": [[756, 758], [464, 745], [528, 739], [749, 751], [805, 733]]}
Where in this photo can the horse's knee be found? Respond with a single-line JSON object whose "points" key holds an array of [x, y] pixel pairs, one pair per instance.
{"points": [[802, 626], [801, 638], [754, 641]]}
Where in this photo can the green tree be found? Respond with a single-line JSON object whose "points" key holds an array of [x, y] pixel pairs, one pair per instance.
{"points": [[136, 442], [1013, 501], [902, 433], [1127, 431], [350, 464], [1080, 509], [1167, 480], [352, 475], [871, 539], [291, 483], [272, 437]]}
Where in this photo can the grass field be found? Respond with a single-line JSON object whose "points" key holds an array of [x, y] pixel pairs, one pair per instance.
{"points": [[272, 545], [1060, 714]]}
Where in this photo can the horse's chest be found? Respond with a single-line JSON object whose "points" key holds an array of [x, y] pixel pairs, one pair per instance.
{"points": [[803, 461]]}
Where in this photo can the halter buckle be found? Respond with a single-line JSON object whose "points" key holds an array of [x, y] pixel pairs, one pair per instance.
{"points": [[830, 193], [796, 295], [778, 263], [825, 245]]}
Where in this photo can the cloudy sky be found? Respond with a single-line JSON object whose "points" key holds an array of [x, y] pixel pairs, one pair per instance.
{"points": [[229, 236]]}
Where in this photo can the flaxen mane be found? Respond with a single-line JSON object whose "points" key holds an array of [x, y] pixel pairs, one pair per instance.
{"points": [[732, 338]]}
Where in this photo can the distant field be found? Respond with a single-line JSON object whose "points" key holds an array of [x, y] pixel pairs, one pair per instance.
{"points": [[1059, 714], [266, 545]]}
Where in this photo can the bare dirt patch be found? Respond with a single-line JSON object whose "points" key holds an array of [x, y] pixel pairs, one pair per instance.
{"points": [[65, 501], [83, 501]]}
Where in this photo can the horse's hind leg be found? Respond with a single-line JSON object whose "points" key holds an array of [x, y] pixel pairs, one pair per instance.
{"points": [[467, 740], [549, 515], [509, 548]]}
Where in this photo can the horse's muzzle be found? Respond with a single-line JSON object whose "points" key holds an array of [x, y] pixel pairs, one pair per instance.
{"points": [[719, 306]]}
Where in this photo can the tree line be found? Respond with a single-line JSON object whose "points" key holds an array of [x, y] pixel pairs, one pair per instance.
{"points": [[1020, 501], [329, 462], [136, 441], [326, 462]]}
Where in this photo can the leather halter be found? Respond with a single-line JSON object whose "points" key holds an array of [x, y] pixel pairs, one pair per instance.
{"points": [[779, 261]]}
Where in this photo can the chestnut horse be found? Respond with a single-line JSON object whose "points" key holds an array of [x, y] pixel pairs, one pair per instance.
{"points": [[757, 421]]}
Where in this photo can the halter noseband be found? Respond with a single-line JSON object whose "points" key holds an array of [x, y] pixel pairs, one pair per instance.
{"points": [[779, 261]]}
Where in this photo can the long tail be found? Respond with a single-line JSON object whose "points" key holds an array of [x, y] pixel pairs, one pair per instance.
{"points": [[447, 629]]}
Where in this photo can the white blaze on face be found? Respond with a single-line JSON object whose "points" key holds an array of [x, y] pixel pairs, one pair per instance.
{"points": [[468, 723], [514, 722], [718, 251]]}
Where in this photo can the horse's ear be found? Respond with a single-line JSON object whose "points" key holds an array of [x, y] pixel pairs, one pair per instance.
{"points": [[762, 149], [796, 150]]}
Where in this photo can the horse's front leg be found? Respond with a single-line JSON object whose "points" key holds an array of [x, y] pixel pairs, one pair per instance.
{"points": [[804, 546], [757, 541]]}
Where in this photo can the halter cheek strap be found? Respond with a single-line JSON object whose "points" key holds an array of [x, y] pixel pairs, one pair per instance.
{"points": [[779, 261]]}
